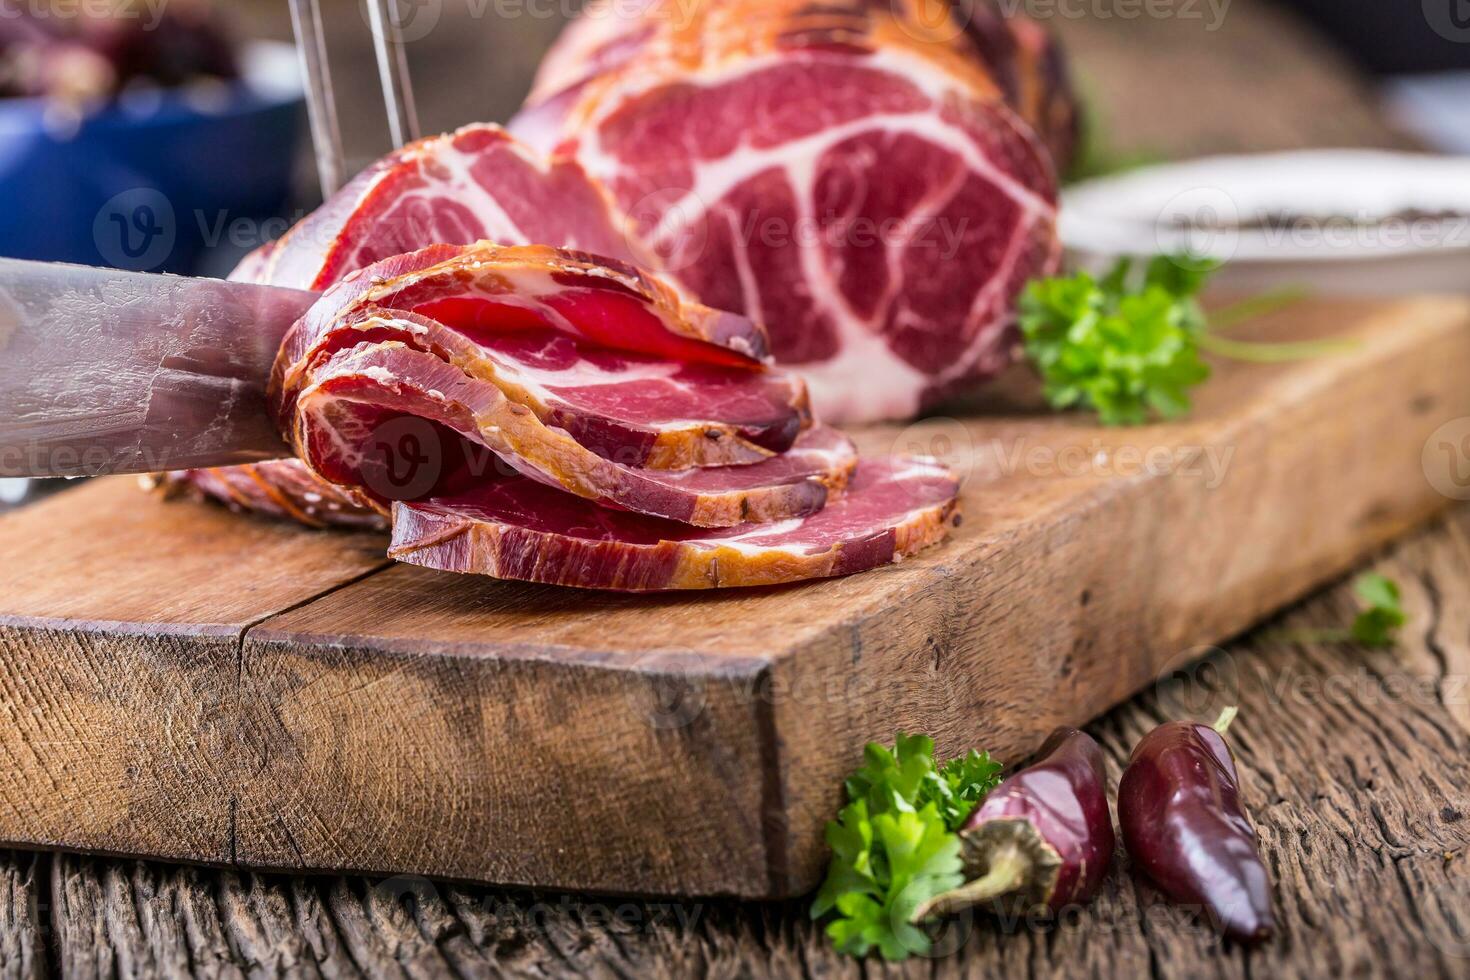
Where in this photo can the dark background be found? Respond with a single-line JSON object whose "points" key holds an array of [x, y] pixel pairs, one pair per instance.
{"points": [[1395, 36], [477, 63]]}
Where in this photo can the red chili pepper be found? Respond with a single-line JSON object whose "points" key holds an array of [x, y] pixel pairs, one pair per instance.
{"points": [[1183, 824], [1044, 835]]}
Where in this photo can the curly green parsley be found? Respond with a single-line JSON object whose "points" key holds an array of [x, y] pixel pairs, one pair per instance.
{"points": [[1129, 349], [894, 844]]}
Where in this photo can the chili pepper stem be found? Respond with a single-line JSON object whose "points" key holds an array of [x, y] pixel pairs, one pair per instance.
{"points": [[1226, 717], [1008, 870]]}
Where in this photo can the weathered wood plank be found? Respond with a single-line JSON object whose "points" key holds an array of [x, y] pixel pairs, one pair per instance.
{"points": [[23, 906], [1343, 753], [120, 628]]}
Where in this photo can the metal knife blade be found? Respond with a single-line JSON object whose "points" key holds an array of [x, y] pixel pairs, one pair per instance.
{"points": [[104, 371]]}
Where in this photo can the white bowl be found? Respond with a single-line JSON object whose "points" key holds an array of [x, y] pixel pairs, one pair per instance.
{"points": [[1335, 220]]}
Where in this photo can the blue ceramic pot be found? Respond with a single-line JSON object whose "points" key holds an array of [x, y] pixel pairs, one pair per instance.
{"points": [[152, 182]]}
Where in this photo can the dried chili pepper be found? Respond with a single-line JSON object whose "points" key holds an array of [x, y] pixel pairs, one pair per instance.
{"points": [[1044, 836], [1183, 824]]}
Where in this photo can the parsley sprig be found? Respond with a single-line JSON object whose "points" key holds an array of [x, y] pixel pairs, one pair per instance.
{"points": [[894, 844], [1379, 622], [1380, 616], [1129, 348]]}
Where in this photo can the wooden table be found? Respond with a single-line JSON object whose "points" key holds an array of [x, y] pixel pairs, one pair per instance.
{"points": [[1354, 762]]}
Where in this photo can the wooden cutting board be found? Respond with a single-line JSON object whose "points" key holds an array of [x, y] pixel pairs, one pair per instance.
{"points": [[183, 683]]}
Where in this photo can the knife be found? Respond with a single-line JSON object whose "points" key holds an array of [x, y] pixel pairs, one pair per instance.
{"points": [[104, 371]]}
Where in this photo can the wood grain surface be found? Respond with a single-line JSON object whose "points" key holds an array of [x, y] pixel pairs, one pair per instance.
{"points": [[1343, 758], [121, 634], [187, 684]]}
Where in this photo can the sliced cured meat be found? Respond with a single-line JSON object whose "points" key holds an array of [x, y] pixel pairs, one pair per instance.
{"points": [[604, 353], [396, 423], [632, 408], [282, 488], [472, 185], [497, 288], [847, 173], [477, 183], [513, 528], [400, 377]]}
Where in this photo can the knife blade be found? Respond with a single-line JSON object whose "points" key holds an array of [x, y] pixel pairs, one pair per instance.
{"points": [[103, 371]]}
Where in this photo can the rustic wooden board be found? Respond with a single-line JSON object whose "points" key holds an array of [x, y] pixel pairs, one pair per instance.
{"points": [[182, 683], [1345, 757]]}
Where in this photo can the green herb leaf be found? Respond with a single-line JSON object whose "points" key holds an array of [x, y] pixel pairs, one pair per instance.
{"points": [[1378, 624], [1128, 346], [890, 779], [894, 844], [1129, 356], [960, 785]]}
